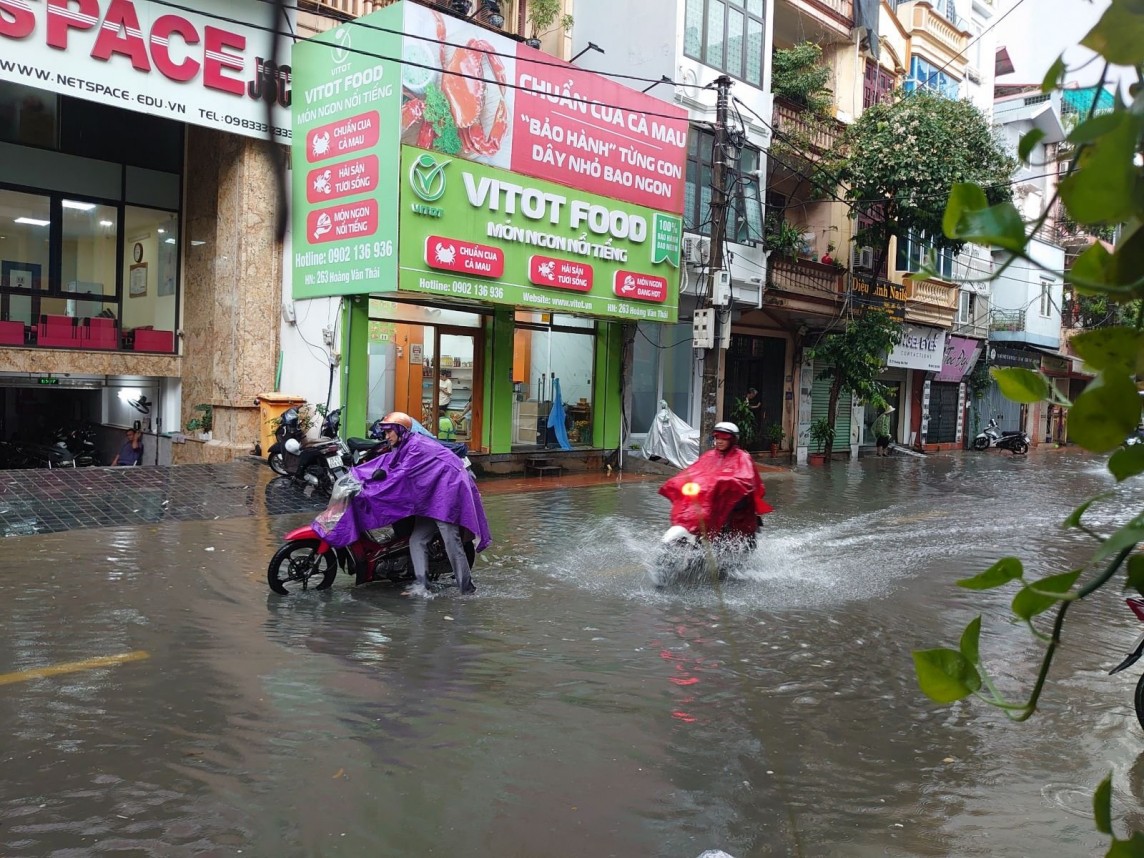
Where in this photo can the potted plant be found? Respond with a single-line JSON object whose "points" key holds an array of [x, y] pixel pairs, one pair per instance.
{"points": [[822, 435], [204, 422], [775, 437], [542, 14], [744, 418]]}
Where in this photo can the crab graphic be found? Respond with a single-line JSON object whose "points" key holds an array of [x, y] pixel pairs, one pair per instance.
{"points": [[322, 143], [445, 254], [547, 270], [322, 182]]}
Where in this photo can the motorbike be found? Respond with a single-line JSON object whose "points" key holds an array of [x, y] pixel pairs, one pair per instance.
{"points": [[1013, 440], [18, 455], [80, 442], [688, 553], [318, 464], [306, 562], [1136, 604]]}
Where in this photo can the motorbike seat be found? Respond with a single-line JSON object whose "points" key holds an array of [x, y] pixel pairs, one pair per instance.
{"points": [[358, 445]]}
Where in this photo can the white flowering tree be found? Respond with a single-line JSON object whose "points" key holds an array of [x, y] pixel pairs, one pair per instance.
{"points": [[897, 162]]}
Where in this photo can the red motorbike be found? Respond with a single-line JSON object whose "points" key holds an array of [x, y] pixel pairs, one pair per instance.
{"points": [[308, 562], [1136, 604]]}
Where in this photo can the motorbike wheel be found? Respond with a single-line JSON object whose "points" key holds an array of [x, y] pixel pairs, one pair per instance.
{"points": [[980, 444], [1138, 700], [299, 563], [1020, 448], [277, 463], [324, 477]]}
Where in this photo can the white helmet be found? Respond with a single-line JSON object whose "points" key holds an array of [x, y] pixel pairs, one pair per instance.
{"points": [[293, 447], [727, 427]]}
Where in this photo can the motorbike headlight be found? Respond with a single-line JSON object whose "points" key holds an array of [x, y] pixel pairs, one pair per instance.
{"points": [[690, 490]]}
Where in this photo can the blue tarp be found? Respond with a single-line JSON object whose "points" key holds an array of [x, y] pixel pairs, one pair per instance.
{"points": [[557, 418]]}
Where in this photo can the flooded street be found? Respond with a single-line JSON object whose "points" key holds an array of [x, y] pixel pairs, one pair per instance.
{"points": [[571, 709]]}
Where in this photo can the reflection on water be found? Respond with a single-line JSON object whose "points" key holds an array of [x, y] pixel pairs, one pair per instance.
{"points": [[572, 708]]}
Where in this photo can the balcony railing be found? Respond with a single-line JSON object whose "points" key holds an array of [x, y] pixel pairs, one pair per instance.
{"points": [[1007, 320], [843, 9], [935, 293], [926, 20], [819, 132], [803, 277], [346, 8]]}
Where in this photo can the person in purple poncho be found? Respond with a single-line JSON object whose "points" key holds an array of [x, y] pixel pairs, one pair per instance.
{"points": [[429, 482]]}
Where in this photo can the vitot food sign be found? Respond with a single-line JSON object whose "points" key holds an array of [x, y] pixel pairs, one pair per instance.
{"points": [[522, 180], [206, 67]]}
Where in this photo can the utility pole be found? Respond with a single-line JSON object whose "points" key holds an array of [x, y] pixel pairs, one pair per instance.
{"points": [[714, 358]]}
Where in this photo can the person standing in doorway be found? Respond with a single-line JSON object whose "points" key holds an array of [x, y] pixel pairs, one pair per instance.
{"points": [[882, 431], [757, 413], [131, 453]]}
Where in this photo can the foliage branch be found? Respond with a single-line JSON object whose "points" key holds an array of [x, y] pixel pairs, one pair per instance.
{"points": [[1103, 187]]}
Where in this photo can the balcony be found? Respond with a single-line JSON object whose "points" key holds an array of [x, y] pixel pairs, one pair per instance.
{"points": [[931, 302], [947, 40], [1006, 321], [803, 277], [820, 133], [345, 8]]}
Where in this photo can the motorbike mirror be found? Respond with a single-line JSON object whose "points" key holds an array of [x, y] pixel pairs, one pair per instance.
{"points": [[379, 474]]}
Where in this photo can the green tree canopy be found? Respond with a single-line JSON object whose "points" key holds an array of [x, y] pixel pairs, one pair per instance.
{"points": [[899, 159]]}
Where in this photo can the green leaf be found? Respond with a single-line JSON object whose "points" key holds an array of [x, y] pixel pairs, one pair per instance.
{"points": [[1105, 413], [1117, 348], [1096, 271], [1103, 189], [1102, 806], [1074, 517], [1127, 462], [1119, 34], [1135, 574], [971, 642], [1053, 75], [1038, 597], [1000, 225], [1000, 573], [1127, 536], [1092, 129], [1028, 140], [963, 197], [1021, 385], [944, 675], [1131, 848]]}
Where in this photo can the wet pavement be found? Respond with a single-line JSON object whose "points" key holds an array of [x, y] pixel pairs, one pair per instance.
{"points": [[570, 708]]}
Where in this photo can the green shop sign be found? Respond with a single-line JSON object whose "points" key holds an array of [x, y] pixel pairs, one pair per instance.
{"points": [[472, 231], [346, 113]]}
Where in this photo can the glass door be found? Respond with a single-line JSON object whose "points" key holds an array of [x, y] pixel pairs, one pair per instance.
{"points": [[450, 394]]}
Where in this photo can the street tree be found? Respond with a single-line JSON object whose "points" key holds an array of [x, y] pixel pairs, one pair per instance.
{"points": [[899, 159], [1103, 185], [854, 358]]}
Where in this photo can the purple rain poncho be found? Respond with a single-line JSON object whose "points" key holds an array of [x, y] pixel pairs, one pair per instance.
{"points": [[422, 477]]}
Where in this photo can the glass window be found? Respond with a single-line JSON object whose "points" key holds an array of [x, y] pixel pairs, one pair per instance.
{"points": [[28, 116], [400, 311], [88, 260], [744, 209], [662, 370], [925, 75], [150, 254], [1046, 298], [912, 253], [544, 356], [25, 227], [726, 35]]}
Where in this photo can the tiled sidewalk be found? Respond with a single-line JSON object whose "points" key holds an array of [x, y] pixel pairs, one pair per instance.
{"points": [[47, 501]]}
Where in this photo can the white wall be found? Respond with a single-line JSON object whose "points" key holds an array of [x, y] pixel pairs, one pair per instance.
{"points": [[1019, 288]]}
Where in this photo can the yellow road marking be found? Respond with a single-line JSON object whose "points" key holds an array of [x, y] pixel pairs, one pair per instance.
{"points": [[73, 666]]}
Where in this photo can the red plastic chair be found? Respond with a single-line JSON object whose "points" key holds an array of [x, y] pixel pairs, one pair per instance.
{"points": [[58, 331], [11, 333], [99, 333], [149, 340]]}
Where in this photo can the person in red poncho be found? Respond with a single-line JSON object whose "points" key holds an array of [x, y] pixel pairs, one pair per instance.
{"points": [[721, 494]]}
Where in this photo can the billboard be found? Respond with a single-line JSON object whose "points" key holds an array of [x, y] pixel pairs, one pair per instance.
{"points": [[375, 97], [478, 232], [920, 348], [347, 104], [208, 67]]}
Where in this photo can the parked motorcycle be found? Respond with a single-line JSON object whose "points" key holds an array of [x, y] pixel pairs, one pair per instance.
{"points": [[319, 464], [18, 455], [1137, 605], [307, 562], [80, 442], [1015, 441]]}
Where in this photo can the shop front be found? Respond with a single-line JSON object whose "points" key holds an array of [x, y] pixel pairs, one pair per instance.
{"points": [[486, 269], [109, 116], [920, 352]]}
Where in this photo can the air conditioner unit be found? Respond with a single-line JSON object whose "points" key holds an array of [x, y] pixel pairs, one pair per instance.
{"points": [[862, 258]]}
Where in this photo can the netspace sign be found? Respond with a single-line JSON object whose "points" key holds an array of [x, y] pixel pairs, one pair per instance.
{"points": [[196, 67]]}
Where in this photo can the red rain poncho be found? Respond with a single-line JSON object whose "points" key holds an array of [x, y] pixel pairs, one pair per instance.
{"points": [[724, 479]]}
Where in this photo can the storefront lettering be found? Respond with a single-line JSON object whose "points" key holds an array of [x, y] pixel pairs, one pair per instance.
{"points": [[217, 53]]}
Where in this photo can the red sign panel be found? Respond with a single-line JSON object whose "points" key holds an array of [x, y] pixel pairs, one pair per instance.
{"points": [[639, 287], [581, 129], [338, 223], [464, 257], [343, 137], [347, 179], [559, 273]]}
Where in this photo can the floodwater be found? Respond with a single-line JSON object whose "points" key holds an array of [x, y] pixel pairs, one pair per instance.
{"points": [[570, 709]]}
